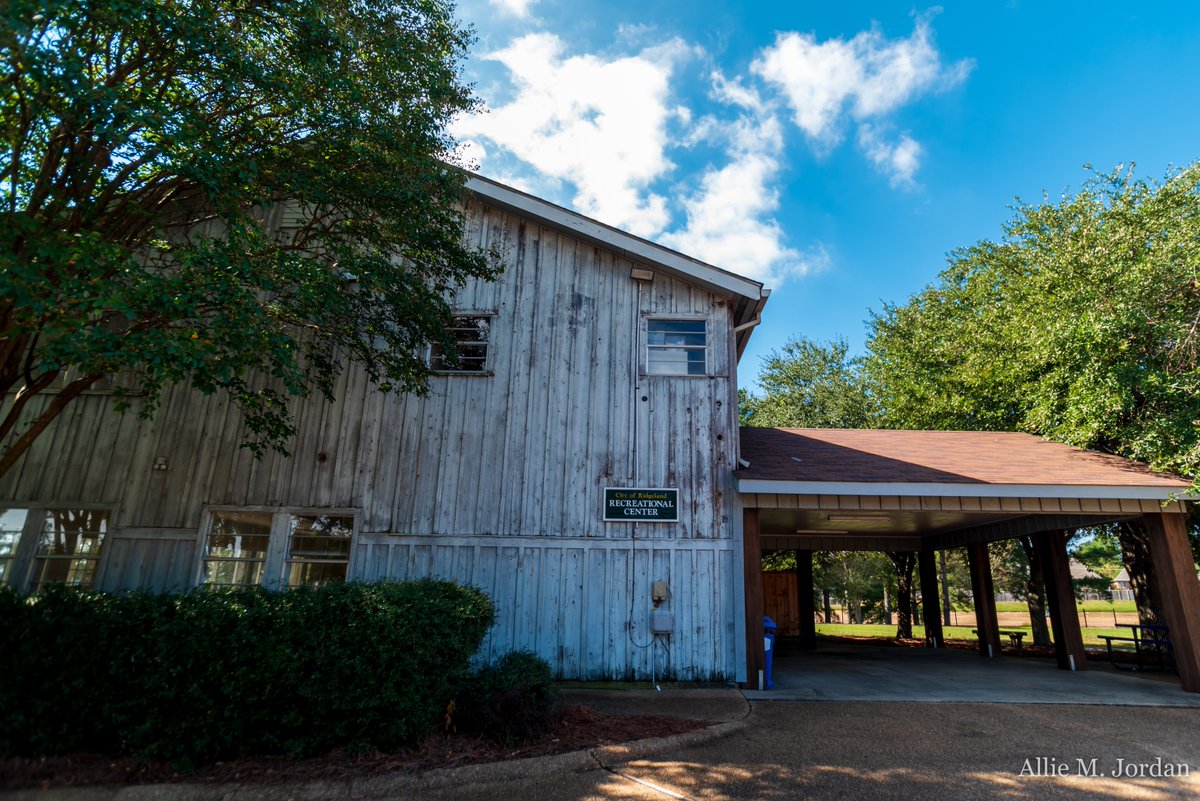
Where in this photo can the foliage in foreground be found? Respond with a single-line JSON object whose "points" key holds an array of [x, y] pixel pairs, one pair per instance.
{"points": [[210, 192], [510, 700], [216, 674]]}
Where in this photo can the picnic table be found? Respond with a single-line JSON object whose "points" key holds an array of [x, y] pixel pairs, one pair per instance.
{"points": [[1014, 637], [1147, 641]]}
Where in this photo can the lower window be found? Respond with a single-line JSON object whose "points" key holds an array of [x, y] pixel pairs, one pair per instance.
{"points": [[53, 546], [276, 548], [12, 523], [68, 549]]}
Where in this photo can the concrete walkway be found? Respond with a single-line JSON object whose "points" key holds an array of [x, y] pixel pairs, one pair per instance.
{"points": [[846, 671]]}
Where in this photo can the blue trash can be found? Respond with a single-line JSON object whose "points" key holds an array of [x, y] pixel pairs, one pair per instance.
{"points": [[769, 628]]}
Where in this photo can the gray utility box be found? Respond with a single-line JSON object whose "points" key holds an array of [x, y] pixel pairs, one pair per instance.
{"points": [[662, 622]]}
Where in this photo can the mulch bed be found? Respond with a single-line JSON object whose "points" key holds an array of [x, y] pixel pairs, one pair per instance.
{"points": [[579, 728]]}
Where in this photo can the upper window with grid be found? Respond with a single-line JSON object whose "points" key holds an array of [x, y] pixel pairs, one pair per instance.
{"points": [[471, 333], [676, 347]]}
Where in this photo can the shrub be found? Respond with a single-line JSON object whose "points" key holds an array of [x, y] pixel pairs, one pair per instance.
{"points": [[510, 700], [213, 674]]}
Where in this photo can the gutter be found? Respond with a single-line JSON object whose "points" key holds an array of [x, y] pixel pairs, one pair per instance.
{"points": [[753, 323]]}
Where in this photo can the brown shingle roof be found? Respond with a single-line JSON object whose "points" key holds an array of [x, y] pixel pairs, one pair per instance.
{"points": [[946, 457]]}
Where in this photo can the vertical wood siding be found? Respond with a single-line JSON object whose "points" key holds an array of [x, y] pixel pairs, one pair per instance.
{"points": [[569, 600], [496, 480]]}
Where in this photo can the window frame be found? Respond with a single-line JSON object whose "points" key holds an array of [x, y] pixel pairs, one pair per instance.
{"points": [[648, 348], [24, 561], [277, 557], [486, 369]]}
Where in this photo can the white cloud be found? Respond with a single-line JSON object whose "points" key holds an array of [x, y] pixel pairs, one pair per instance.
{"points": [[898, 161], [729, 215], [864, 78], [600, 124], [516, 8], [598, 132]]}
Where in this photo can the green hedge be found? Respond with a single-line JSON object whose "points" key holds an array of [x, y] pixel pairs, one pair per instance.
{"points": [[511, 700], [216, 674]]}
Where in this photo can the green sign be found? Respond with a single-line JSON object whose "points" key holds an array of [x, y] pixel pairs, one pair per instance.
{"points": [[641, 505]]}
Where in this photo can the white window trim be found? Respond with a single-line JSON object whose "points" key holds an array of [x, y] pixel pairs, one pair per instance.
{"points": [[275, 561], [489, 347], [644, 367]]}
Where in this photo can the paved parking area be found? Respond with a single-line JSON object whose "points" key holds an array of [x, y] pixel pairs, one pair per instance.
{"points": [[847, 671], [821, 751]]}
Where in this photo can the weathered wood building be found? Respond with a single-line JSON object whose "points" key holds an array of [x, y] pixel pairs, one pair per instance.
{"points": [[597, 360], [582, 464]]}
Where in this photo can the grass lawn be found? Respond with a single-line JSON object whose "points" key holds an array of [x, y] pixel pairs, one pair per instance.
{"points": [[1091, 636], [1089, 606]]}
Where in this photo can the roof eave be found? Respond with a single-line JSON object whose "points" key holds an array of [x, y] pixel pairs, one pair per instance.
{"points": [[963, 490], [625, 244]]}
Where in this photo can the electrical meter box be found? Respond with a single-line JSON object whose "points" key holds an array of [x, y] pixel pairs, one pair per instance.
{"points": [[658, 591]]}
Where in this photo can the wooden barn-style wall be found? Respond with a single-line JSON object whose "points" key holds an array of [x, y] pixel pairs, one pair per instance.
{"points": [[492, 480]]}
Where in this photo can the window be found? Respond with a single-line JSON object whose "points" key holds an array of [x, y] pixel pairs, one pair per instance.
{"points": [[40, 546], [244, 548], [318, 549], [12, 523], [676, 347], [470, 333], [235, 550], [68, 547]]}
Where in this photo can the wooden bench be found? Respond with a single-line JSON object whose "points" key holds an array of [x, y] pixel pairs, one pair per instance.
{"points": [[1014, 637], [1146, 640]]}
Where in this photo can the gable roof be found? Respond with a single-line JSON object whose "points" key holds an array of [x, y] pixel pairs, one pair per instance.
{"points": [[748, 295], [965, 463]]}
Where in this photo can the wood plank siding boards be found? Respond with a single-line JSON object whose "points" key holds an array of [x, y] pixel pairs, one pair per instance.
{"points": [[569, 598], [491, 480]]}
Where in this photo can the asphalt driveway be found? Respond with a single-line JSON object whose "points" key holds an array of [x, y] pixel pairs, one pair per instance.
{"points": [[864, 750]]}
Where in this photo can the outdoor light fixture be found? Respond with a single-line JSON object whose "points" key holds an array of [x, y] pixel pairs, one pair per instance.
{"points": [[641, 274]]}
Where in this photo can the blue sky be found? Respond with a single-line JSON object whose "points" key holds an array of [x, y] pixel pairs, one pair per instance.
{"points": [[835, 151]]}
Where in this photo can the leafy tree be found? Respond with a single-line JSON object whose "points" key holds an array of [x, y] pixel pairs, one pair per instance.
{"points": [[905, 563], [1099, 550], [957, 587], [1081, 324], [808, 384], [237, 195], [1017, 569]]}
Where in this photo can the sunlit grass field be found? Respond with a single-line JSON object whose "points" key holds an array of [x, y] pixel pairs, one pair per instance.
{"points": [[1088, 606], [1091, 636]]}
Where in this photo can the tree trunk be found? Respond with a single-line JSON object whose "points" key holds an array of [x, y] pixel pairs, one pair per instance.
{"points": [[57, 403], [828, 608], [1135, 548], [906, 563], [945, 590], [1035, 593], [887, 606]]}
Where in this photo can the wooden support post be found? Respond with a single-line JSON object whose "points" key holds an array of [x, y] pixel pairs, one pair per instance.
{"points": [[804, 589], [756, 659], [1179, 591], [1060, 597], [985, 599], [927, 564]]}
